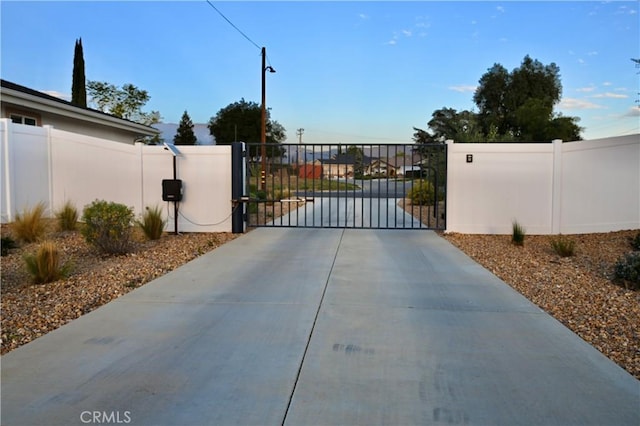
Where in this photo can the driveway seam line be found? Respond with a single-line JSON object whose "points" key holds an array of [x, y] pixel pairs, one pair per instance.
{"points": [[313, 327]]}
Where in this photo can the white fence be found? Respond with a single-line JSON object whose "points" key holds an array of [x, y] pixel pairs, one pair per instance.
{"points": [[574, 187], [42, 164], [568, 188]]}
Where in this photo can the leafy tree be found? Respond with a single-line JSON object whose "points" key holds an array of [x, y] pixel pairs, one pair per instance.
{"points": [[520, 104], [125, 102], [78, 85], [447, 123], [242, 121], [358, 160], [184, 134], [512, 106], [423, 137], [489, 97]]}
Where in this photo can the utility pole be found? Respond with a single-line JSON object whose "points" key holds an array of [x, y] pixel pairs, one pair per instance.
{"points": [[263, 124], [299, 132]]}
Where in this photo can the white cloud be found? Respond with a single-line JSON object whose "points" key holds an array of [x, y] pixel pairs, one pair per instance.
{"points": [[392, 42], [573, 104], [462, 88], [56, 94], [610, 95], [586, 89], [500, 9], [581, 61], [634, 111], [607, 83], [363, 16], [592, 53], [624, 10], [407, 33]]}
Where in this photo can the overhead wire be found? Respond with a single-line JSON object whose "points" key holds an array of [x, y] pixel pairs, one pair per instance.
{"points": [[233, 25], [239, 30]]}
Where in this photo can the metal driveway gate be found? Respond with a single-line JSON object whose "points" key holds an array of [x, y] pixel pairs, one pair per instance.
{"points": [[380, 186]]}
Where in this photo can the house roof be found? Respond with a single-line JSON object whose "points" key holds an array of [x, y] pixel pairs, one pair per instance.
{"points": [[16, 94], [401, 161], [345, 159]]}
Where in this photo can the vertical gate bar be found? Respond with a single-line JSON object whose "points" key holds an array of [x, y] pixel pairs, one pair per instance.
{"points": [[263, 195], [378, 179], [361, 159], [386, 196], [431, 181], [445, 163], [346, 214], [330, 170], [404, 186], [313, 186], [273, 192], [303, 181], [362, 187], [256, 178], [289, 212], [276, 178], [427, 179]]}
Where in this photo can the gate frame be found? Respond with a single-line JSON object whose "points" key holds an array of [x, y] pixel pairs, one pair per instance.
{"points": [[244, 164]]}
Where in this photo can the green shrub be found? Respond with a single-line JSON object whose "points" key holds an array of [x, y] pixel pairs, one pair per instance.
{"points": [[152, 223], [7, 244], [635, 242], [261, 195], [422, 193], [281, 193], [518, 234], [67, 217], [107, 226], [45, 266], [563, 246], [627, 271], [29, 225]]}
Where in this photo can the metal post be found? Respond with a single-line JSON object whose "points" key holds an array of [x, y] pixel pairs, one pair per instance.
{"points": [[263, 128], [175, 203], [237, 187]]}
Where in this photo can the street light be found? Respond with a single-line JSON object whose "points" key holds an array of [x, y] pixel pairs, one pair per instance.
{"points": [[263, 131]]}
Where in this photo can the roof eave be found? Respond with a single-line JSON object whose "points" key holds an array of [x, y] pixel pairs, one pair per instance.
{"points": [[30, 101]]}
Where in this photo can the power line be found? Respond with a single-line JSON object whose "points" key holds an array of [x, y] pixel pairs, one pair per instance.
{"points": [[232, 24]]}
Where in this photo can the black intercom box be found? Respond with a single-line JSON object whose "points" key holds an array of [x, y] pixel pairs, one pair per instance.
{"points": [[171, 190]]}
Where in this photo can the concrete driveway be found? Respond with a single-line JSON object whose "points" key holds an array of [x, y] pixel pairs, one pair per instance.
{"points": [[318, 327]]}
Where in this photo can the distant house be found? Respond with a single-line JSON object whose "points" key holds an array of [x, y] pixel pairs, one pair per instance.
{"points": [[399, 166], [343, 165], [29, 107]]}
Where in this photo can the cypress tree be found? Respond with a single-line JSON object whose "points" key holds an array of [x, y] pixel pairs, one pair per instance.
{"points": [[78, 85], [185, 135]]}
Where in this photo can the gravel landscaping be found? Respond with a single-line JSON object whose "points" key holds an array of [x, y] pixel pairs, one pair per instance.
{"points": [[578, 291]]}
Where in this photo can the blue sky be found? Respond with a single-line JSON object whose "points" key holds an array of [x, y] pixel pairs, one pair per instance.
{"points": [[350, 72]]}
